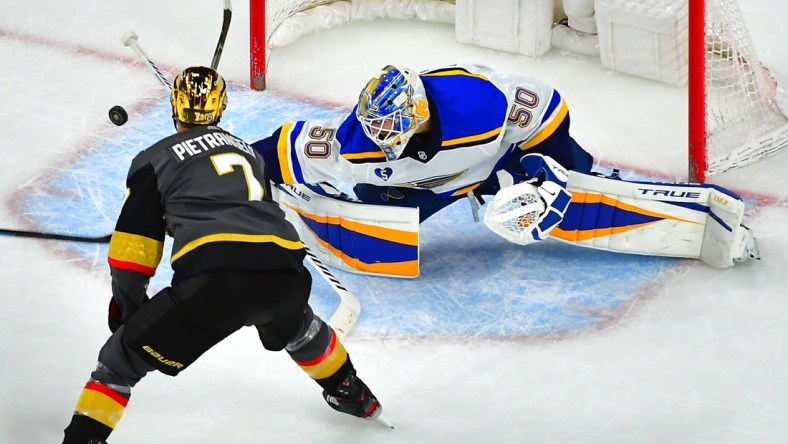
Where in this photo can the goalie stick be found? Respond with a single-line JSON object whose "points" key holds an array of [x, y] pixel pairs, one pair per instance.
{"points": [[345, 316]]}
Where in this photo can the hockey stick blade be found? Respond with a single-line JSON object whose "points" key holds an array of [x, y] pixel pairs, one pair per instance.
{"points": [[56, 236], [346, 315], [228, 16]]}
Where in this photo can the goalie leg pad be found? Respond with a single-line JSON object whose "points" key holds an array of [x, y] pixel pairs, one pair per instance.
{"points": [[659, 219], [353, 236], [726, 240]]}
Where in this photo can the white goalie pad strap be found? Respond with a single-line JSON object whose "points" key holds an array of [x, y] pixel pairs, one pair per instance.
{"points": [[367, 239], [659, 219]]}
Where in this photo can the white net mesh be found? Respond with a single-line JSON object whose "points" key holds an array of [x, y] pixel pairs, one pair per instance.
{"points": [[650, 38], [746, 104], [277, 11], [744, 121], [287, 20]]}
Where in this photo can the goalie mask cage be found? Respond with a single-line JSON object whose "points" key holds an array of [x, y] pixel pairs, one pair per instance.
{"points": [[737, 107]]}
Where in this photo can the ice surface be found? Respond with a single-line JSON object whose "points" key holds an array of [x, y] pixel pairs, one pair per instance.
{"points": [[493, 342]]}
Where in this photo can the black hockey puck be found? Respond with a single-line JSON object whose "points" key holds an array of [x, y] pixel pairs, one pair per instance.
{"points": [[118, 115]]}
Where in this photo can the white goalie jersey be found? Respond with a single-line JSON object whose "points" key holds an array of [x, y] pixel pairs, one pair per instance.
{"points": [[479, 119]]}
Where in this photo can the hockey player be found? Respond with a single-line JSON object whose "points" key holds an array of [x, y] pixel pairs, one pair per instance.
{"points": [[426, 140], [236, 260]]}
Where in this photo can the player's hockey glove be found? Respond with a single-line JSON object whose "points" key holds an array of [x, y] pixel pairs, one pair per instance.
{"points": [[527, 212]]}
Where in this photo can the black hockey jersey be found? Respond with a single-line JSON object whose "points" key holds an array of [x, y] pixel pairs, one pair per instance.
{"points": [[207, 189]]}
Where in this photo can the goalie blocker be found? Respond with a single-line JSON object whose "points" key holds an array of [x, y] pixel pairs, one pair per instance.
{"points": [[649, 218]]}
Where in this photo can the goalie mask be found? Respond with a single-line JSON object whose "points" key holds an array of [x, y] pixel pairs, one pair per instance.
{"points": [[199, 96], [391, 107]]}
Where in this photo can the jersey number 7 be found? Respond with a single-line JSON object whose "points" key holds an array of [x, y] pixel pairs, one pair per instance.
{"points": [[226, 162]]}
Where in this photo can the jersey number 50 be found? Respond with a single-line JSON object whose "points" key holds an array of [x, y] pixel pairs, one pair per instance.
{"points": [[524, 101]]}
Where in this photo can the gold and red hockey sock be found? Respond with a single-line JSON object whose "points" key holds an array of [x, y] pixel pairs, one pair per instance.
{"points": [[98, 411], [324, 359]]}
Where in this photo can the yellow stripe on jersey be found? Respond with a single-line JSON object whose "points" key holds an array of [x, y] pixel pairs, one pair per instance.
{"points": [[367, 155], [135, 249], [474, 138], [549, 129], [463, 191], [283, 151], [236, 237]]}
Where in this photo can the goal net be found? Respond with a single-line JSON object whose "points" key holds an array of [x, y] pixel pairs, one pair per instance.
{"points": [[274, 23], [737, 106], [743, 117]]}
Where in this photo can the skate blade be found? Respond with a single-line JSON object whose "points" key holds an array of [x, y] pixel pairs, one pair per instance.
{"points": [[377, 415], [380, 419]]}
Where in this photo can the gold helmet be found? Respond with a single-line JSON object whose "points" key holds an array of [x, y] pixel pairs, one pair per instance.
{"points": [[199, 95]]}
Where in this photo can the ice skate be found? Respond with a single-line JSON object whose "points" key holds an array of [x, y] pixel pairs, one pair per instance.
{"points": [[353, 397]]}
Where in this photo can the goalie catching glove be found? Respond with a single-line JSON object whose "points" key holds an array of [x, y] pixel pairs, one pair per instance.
{"points": [[526, 212]]}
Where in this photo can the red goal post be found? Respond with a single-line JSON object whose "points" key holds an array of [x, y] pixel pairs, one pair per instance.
{"points": [[737, 106]]}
